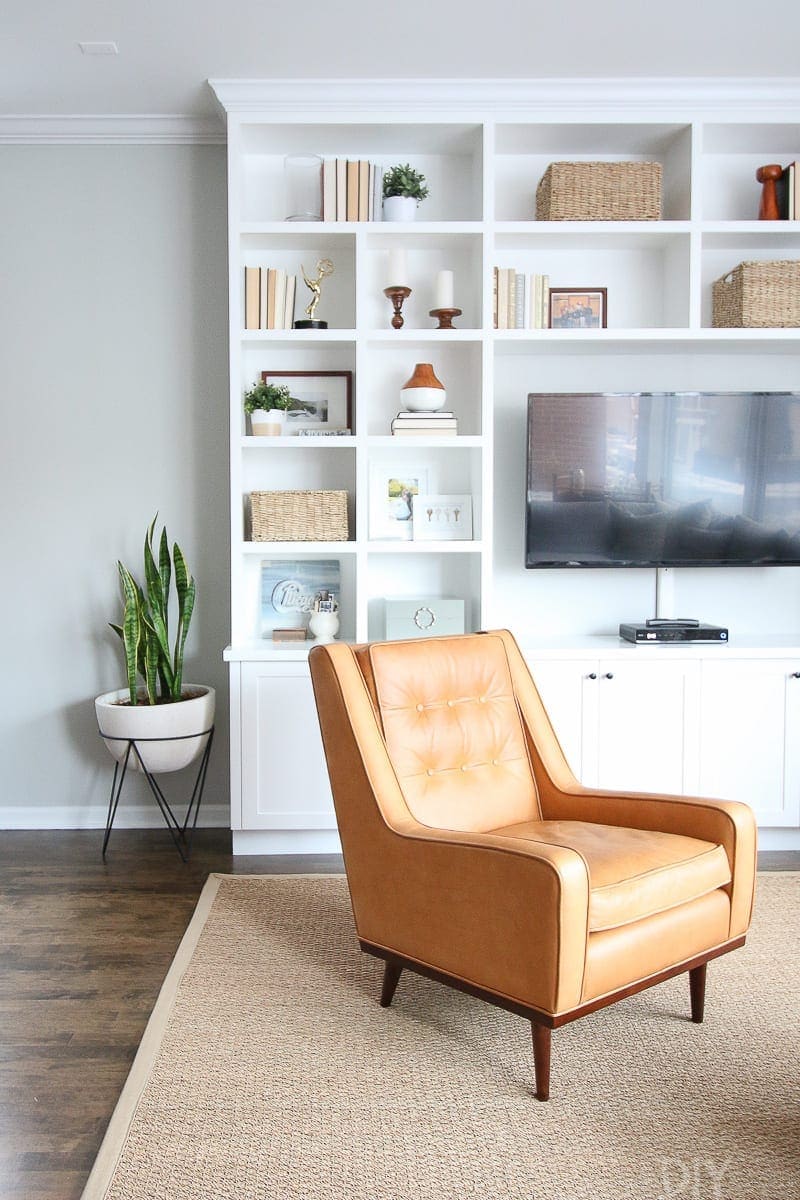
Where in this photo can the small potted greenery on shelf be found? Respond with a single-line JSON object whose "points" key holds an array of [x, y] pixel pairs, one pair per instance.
{"points": [[403, 189], [267, 405]]}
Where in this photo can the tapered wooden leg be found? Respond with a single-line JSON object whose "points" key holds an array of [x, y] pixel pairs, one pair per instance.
{"points": [[391, 974], [697, 992], [541, 1059]]}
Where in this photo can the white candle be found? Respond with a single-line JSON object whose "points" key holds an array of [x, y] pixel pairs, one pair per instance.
{"points": [[444, 289], [398, 270]]}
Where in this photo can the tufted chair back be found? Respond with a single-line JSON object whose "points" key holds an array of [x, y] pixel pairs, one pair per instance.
{"points": [[453, 731]]}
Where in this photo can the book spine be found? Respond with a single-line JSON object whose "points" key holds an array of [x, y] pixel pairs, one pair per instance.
{"points": [[363, 191], [494, 297], [519, 305], [252, 289], [270, 298], [329, 189], [512, 299], [291, 286], [502, 298], [341, 189], [545, 302], [262, 307], [352, 191], [280, 298]]}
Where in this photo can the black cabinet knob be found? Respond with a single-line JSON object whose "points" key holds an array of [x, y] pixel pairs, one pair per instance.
{"points": [[592, 675], [609, 675], [795, 674]]}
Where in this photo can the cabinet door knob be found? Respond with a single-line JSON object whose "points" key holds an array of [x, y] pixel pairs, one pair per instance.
{"points": [[609, 675], [795, 674], [592, 675]]}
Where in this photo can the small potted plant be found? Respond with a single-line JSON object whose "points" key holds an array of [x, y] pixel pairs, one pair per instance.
{"points": [[267, 405], [403, 189], [156, 703]]}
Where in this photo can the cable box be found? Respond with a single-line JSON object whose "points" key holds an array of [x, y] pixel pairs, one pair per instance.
{"points": [[678, 630]]}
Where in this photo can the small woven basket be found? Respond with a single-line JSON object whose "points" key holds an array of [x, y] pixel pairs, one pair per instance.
{"points": [[758, 295], [600, 191], [298, 516]]}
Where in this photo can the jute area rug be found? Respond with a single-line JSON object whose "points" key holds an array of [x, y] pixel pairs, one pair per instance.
{"points": [[269, 1070]]}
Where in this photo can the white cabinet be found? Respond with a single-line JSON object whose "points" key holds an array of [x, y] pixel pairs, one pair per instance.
{"points": [[624, 724], [284, 781], [750, 736]]}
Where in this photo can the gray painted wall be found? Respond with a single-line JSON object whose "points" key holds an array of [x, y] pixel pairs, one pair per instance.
{"points": [[113, 370]]}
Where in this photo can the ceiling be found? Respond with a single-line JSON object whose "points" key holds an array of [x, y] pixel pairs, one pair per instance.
{"points": [[169, 48]]}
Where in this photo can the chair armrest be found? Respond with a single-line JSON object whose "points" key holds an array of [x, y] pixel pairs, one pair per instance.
{"points": [[727, 823], [512, 918]]}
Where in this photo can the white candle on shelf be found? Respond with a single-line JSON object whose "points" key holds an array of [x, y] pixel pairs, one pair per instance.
{"points": [[444, 289], [398, 269]]}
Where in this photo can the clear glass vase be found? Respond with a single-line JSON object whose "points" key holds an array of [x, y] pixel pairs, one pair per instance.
{"points": [[303, 187]]}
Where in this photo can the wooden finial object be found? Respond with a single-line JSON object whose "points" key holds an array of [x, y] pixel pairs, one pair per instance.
{"points": [[768, 176]]}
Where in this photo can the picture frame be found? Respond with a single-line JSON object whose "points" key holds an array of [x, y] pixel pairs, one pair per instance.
{"points": [[442, 518], [330, 393], [288, 587], [577, 308], [392, 488]]}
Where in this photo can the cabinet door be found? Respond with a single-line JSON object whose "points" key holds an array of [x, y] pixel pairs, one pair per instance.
{"points": [[568, 692], [647, 725], [284, 776], [750, 725]]}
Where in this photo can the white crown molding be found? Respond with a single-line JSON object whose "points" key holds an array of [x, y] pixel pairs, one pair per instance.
{"points": [[130, 129], [560, 97]]}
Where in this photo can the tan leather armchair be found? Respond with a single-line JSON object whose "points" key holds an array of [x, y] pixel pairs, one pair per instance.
{"points": [[473, 855]]}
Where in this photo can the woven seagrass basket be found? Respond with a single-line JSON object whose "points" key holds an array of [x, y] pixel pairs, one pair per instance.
{"points": [[600, 191], [298, 516], [758, 295]]}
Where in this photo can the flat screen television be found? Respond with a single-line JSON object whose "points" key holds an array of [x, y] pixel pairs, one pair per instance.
{"points": [[673, 479]]}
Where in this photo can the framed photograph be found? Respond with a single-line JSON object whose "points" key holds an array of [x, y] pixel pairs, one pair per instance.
{"points": [[442, 518], [326, 395], [391, 500], [288, 589], [577, 308]]}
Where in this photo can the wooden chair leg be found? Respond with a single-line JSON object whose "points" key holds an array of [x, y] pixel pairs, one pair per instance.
{"points": [[392, 972], [697, 992], [541, 1059]]}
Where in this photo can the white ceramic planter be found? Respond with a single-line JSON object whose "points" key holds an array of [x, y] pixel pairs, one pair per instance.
{"points": [[188, 720], [399, 208], [324, 626], [268, 424]]}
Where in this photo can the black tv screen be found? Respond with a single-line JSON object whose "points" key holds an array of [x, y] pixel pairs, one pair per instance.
{"points": [[648, 479]]}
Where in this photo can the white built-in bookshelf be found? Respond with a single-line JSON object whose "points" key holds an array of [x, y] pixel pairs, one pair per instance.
{"points": [[483, 148]]}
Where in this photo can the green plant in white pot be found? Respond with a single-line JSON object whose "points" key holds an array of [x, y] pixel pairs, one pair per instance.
{"points": [[267, 404], [156, 704], [403, 189]]}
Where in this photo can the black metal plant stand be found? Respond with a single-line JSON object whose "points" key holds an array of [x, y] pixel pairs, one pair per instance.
{"points": [[177, 830]]}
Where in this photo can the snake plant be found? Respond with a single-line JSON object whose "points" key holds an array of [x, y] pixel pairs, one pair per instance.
{"points": [[145, 621]]}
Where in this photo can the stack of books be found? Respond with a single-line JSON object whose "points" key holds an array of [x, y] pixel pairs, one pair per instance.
{"points": [[519, 301], [351, 190], [789, 193], [417, 424], [269, 295]]}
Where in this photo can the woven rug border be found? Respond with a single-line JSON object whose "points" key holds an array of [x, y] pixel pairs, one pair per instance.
{"points": [[116, 1134]]}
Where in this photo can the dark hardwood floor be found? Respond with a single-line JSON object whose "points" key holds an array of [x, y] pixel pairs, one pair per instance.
{"points": [[84, 948]]}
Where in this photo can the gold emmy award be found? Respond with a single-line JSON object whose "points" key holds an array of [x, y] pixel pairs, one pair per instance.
{"points": [[324, 269]]}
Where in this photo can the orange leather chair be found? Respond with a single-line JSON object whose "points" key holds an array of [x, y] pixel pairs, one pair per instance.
{"points": [[474, 856]]}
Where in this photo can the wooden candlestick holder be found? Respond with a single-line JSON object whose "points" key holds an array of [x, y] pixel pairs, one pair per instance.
{"points": [[768, 177], [397, 295], [445, 316]]}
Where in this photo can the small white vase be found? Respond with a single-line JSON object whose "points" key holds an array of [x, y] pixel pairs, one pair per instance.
{"points": [[324, 626], [399, 208], [268, 424], [423, 392]]}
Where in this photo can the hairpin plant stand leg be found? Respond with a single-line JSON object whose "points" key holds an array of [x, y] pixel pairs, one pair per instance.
{"points": [[178, 831]]}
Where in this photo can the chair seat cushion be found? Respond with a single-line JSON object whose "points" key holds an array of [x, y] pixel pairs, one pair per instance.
{"points": [[633, 873]]}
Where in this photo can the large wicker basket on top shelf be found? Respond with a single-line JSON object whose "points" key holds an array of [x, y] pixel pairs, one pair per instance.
{"points": [[298, 516], [600, 191], [758, 295]]}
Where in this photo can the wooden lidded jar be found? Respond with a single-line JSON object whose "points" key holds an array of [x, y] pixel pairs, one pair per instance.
{"points": [[423, 392]]}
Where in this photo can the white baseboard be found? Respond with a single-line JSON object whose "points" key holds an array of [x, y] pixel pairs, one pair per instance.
{"points": [[779, 839], [133, 816], [286, 841]]}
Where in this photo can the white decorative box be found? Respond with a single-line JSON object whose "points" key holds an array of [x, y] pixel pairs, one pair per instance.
{"points": [[423, 616]]}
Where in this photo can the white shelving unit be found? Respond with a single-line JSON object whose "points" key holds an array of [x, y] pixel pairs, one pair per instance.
{"points": [[483, 147]]}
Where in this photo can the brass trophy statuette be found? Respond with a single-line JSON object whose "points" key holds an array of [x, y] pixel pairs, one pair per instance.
{"points": [[324, 269]]}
